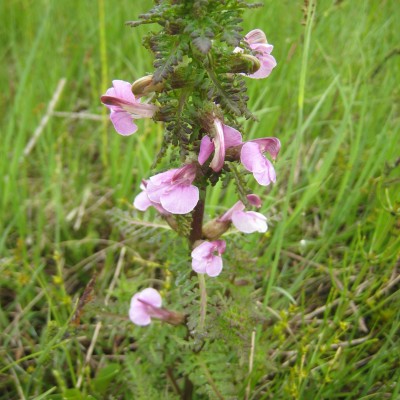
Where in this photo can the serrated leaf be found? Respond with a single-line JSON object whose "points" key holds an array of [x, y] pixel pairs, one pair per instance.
{"points": [[231, 38], [166, 66], [203, 44]]}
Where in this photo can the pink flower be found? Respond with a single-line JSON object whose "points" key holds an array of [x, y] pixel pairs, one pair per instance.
{"points": [[142, 201], [253, 160], [125, 107], [257, 41], [173, 190], [246, 221], [146, 305], [206, 257], [224, 137]]}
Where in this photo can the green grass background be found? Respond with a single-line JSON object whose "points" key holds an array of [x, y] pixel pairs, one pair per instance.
{"points": [[331, 256]]}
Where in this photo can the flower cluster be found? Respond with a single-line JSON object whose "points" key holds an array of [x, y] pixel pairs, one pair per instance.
{"points": [[176, 191]]}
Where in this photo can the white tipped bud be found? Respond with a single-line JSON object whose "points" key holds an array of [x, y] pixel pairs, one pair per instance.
{"points": [[245, 64], [144, 85]]}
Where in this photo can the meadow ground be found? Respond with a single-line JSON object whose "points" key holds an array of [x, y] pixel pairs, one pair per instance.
{"points": [[327, 272]]}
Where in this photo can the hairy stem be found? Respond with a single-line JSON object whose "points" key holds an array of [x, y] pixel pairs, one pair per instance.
{"points": [[188, 389], [196, 231], [203, 301]]}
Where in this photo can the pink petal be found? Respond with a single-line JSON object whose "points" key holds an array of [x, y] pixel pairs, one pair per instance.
{"points": [[249, 221], [268, 63], [206, 149], [159, 184], [249, 155], [199, 266], [220, 246], [142, 202], [203, 250], [163, 177], [262, 49], [253, 160], [272, 145], [239, 206], [219, 142], [232, 137], [140, 110], [180, 199], [266, 175], [109, 102], [214, 266], [121, 98], [154, 192], [137, 312], [135, 109], [122, 90], [123, 123], [139, 316], [151, 296], [185, 175], [255, 36]]}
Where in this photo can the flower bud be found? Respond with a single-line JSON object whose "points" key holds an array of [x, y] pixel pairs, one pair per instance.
{"points": [[244, 63], [171, 221], [145, 85], [214, 229], [175, 318]]}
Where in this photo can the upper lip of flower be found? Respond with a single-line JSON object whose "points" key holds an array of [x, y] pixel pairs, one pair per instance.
{"points": [[184, 175], [224, 138], [136, 109], [146, 303]]}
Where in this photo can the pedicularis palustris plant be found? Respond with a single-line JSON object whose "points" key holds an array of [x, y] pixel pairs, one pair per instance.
{"points": [[198, 92]]}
